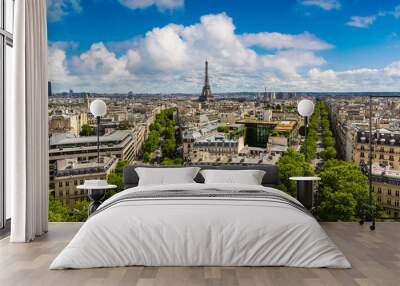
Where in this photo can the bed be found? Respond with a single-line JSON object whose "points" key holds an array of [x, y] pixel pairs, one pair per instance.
{"points": [[198, 224]]}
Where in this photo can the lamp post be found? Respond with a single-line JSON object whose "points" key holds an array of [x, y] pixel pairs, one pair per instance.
{"points": [[96, 188], [98, 108], [305, 109]]}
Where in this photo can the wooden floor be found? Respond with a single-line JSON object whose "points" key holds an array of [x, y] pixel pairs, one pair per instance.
{"points": [[375, 257]]}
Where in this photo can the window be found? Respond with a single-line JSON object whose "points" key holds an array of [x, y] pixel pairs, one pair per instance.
{"points": [[60, 184], [6, 44], [389, 192]]}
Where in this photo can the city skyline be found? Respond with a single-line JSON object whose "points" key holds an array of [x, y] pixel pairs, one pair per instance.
{"points": [[160, 46]]}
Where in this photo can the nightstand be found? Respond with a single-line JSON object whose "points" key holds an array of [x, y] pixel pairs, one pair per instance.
{"points": [[96, 192], [305, 190]]}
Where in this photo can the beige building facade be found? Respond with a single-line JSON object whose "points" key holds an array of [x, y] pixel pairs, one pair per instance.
{"points": [[71, 174]]}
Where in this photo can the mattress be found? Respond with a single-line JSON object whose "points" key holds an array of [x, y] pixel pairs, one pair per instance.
{"points": [[201, 225]]}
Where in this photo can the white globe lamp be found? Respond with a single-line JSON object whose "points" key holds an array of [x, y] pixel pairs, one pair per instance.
{"points": [[305, 108], [98, 108]]}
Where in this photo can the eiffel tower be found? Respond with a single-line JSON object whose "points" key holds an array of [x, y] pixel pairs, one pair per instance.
{"points": [[206, 94]]}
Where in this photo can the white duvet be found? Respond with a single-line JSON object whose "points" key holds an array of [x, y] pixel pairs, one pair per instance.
{"points": [[200, 231]]}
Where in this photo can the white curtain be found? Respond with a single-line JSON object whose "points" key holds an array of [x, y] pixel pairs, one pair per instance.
{"points": [[26, 124]]}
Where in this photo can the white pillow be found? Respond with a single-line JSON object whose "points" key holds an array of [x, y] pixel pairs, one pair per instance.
{"points": [[247, 177], [166, 176]]}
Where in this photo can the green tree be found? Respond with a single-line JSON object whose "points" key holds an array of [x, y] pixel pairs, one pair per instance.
{"points": [[156, 126], [168, 148], [337, 206], [116, 178], [342, 182], [292, 164], [223, 129], [167, 162], [329, 153], [327, 133], [178, 161], [328, 141], [163, 125], [60, 213], [152, 142], [80, 211], [169, 132], [87, 130], [146, 157], [57, 212]]}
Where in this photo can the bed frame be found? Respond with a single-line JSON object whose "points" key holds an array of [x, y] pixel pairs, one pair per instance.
{"points": [[271, 178]]}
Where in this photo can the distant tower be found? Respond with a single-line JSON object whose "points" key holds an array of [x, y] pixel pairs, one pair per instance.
{"points": [[49, 91], [206, 94]]}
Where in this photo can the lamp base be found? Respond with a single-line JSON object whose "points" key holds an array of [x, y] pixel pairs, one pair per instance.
{"points": [[96, 198]]}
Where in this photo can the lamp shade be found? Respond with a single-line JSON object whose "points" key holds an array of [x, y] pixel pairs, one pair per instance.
{"points": [[98, 108], [305, 108]]}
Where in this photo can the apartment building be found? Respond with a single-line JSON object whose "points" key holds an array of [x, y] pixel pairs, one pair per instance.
{"points": [[385, 148], [214, 148], [71, 173], [120, 144], [67, 123], [386, 185]]}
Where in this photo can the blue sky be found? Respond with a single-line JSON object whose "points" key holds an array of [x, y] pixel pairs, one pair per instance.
{"points": [[160, 45]]}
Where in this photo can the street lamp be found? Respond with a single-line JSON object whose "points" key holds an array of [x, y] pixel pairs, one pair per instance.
{"points": [[305, 109], [96, 188], [98, 108]]}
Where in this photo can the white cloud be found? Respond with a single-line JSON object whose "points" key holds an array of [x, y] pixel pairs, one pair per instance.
{"points": [[366, 21], [160, 4], [363, 79], [317, 74], [57, 9], [305, 41], [287, 63], [58, 70], [393, 70], [171, 59], [323, 4], [165, 48], [361, 22]]}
